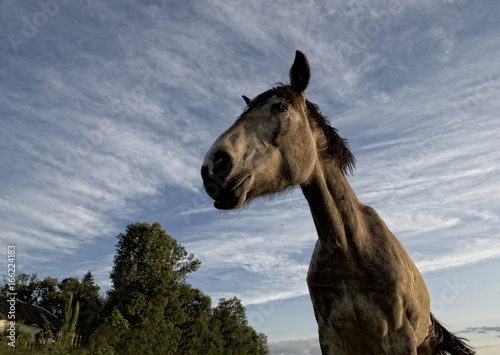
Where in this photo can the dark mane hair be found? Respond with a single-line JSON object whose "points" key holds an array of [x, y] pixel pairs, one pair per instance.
{"points": [[333, 145], [283, 91]]}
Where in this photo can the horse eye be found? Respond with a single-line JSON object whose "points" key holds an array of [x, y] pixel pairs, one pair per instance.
{"points": [[284, 107]]}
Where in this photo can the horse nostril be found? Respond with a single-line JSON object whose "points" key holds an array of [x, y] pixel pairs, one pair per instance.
{"points": [[223, 164], [205, 174], [216, 171]]}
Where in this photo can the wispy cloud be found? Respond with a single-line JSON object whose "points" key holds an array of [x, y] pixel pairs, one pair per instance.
{"points": [[466, 253], [483, 329], [266, 245], [108, 108]]}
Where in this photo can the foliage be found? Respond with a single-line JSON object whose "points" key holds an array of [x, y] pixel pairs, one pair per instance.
{"points": [[156, 311], [197, 329], [149, 272], [69, 318], [239, 338], [26, 287], [112, 333], [53, 296], [151, 309]]}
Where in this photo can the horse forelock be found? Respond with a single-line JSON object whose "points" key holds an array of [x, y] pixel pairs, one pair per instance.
{"points": [[282, 91]]}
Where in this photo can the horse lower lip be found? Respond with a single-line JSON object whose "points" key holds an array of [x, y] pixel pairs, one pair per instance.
{"points": [[236, 196]]}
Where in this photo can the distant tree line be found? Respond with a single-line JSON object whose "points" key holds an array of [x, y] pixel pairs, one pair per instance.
{"points": [[150, 309], [77, 304]]}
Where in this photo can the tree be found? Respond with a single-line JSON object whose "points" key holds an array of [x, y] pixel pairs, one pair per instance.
{"points": [[69, 319], [49, 296], [86, 294], [25, 286], [112, 333], [149, 270], [198, 334], [239, 337], [68, 312], [53, 296], [148, 262], [155, 311]]}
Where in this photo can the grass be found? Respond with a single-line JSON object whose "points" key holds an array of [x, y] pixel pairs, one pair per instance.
{"points": [[63, 344]]}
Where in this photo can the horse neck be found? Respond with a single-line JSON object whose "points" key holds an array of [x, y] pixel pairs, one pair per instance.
{"points": [[334, 206]]}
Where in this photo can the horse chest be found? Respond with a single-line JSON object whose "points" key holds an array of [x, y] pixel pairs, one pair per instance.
{"points": [[351, 275], [344, 308], [346, 293]]}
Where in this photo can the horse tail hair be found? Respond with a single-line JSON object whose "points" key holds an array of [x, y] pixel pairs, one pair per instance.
{"points": [[444, 342]]}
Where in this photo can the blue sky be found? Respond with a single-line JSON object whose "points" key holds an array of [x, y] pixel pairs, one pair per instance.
{"points": [[107, 109]]}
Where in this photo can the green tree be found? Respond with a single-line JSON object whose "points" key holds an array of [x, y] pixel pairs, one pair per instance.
{"points": [[49, 296], [148, 263], [82, 290], [151, 309], [239, 338], [40, 293], [198, 334], [113, 333], [69, 319], [26, 287], [68, 311], [53, 296], [86, 293], [149, 269]]}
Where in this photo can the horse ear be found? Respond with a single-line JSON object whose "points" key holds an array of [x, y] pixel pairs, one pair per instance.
{"points": [[299, 73], [247, 100]]}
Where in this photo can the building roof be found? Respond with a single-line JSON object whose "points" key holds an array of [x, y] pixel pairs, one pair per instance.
{"points": [[29, 315]]}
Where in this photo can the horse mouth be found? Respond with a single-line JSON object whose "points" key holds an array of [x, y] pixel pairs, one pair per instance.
{"points": [[235, 197]]}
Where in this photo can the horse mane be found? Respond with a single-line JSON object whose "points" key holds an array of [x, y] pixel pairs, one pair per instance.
{"points": [[333, 145]]}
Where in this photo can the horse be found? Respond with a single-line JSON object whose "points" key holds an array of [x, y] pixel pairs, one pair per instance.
{"points": [[368, 296]]}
